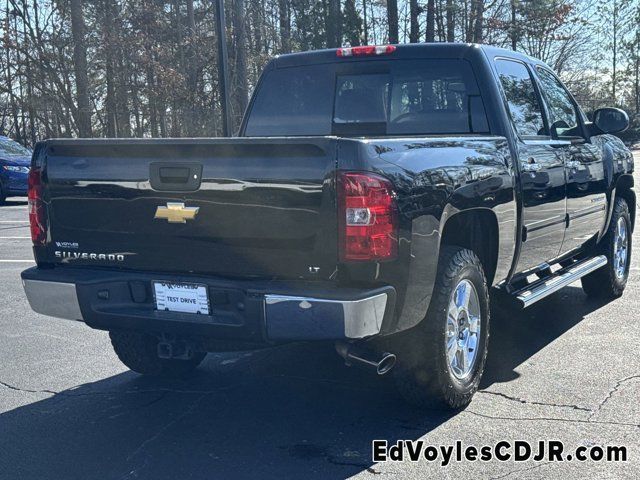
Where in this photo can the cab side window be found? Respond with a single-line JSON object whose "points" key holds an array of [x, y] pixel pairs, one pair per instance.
{"points": [[524, 106], [563, 116]]}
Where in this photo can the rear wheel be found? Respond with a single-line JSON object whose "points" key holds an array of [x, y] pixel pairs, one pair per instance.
{"points": [[139, 352], [611, 280], [3, 195], [444, 358]]}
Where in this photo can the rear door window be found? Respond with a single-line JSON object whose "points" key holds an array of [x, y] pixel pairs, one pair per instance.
{"points": [[522, 98]]}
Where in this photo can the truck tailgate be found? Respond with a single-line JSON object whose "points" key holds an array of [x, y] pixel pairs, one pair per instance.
{"points": [[237, 207]]}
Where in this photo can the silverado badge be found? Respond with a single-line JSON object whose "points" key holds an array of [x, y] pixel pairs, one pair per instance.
{"points": [[176, 212]]}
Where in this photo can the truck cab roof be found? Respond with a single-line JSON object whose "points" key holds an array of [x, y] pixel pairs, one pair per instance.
{"points": [[470, 51]]}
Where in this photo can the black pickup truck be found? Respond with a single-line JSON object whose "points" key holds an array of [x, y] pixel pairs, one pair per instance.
{"points": [[375, 198]]}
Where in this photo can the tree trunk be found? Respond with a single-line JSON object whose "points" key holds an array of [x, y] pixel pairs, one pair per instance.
{"points": [[392, 20], [122, 97], [284, 13], [83, 120], [12, 98], [66, 118], [18, 77], [366, 24], [614, 74], [451, 26], [178, 107], [110, 100], [431, 18], [333, 23], [241, 87], [30, 97], [153, 107], [636, 65], [468, 21], [414, 31], [479, 14], [136, 108], [440, 33], [636, 84], [162, 118], [513, 33], [192, 67]]}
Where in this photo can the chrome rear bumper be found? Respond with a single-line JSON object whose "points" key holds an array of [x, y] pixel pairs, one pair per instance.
{"points": [[55, 299], [343, 315], [305, 318]]}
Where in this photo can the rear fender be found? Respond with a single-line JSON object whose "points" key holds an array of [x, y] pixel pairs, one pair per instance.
{"points": [[456, 227]]}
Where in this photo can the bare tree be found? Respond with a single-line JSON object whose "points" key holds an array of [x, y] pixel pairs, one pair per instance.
{"points": [[109, 53], [241, 87], [151, 67], [414, 32], [285, 25], [392, 20], [333, 24], [431, 18], [83, 116], [451, 26], [478, 16]]}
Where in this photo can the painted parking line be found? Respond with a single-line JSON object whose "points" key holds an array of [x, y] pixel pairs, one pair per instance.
{"points": [[26, 222], [17, 261], [15, 238], [14, 226]]}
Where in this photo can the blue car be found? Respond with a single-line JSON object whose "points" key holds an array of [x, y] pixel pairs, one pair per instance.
{"points": [[14, 168]]}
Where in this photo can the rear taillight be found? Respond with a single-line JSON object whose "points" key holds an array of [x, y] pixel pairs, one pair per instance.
{"points": [[37, 209], [368, 219], [366, 50]]}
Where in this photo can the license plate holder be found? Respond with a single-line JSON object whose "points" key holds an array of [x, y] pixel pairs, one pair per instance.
{"points": [[181, 297]]}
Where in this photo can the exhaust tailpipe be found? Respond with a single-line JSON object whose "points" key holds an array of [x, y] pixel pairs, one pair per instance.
{"points": [[360, 355]]}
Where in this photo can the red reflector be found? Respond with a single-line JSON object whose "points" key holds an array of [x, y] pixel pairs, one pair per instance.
{"points": [[365, 50], [37, 210], [368, 226]]}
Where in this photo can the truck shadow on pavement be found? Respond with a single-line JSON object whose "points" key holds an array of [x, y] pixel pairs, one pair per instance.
{"points": [[516, 335], [291, 411]]}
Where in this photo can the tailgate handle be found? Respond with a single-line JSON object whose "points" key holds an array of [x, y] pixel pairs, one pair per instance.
{"points": [[176, 177], [174, 174]]}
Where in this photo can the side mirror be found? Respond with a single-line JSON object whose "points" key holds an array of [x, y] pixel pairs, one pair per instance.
{"points": [[610, 120]]}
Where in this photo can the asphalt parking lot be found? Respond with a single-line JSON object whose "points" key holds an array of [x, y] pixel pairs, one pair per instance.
{"points": [[566, 369]]}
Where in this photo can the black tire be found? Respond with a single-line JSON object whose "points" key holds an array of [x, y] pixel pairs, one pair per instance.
{"points": [[604, 283], [423, 375], [139, 352], [3, 196]]}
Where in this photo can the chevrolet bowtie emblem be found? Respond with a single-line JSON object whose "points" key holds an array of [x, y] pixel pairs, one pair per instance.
{"points": [[176, 212]]}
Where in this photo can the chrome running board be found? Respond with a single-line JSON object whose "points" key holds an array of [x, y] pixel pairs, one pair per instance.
{"points": [[540, 289]]}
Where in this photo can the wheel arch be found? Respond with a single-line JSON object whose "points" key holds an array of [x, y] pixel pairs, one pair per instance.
{"points": [[624, 189], [476, 229]]}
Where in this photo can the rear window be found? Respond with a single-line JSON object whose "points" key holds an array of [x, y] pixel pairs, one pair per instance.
{"points": [[390, 98]]}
